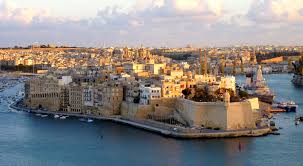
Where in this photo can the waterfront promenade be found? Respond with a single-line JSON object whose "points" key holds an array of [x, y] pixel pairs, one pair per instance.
{"points": [[161, 128]]}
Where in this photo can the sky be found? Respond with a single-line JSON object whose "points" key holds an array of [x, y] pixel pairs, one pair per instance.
{"points": [[153, 23]]}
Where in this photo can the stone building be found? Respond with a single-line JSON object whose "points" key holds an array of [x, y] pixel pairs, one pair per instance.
{"points": [[76, 102], [43, 93], [131, 92], [64, 98], [172, 88], [108, 97], [149, 92]]}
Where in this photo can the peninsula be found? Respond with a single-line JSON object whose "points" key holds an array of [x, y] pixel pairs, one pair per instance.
{"points": [[137, 87]]}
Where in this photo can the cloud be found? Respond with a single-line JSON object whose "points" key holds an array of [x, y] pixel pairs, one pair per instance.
{"points": [[162, 11], [157, 23], [241, 20], [275, 11], [12, 14], [136, 23]]}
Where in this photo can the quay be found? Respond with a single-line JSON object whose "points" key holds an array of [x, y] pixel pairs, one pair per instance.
{"points": [[161, 128], [277, 110]]}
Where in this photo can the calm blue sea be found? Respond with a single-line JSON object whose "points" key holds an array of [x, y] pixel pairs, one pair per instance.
{"points": [[28, 140]]}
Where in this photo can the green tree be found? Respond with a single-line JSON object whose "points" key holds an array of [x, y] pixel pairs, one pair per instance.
{"points": [[186, 92], [234, 72], [243, 94], [242, 66], [222, 66]]}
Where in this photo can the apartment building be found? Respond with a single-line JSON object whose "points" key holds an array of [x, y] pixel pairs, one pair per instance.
{"points": [[43, 93], [149, 92]]}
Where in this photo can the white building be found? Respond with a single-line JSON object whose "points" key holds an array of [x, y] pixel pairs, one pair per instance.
{"points": [[148, 93], [185, 65], [228, 82], [65, 80], [155, 68], [132, 68], [205, 78]]}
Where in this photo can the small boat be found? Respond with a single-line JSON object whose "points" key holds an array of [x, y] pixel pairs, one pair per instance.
{"points": [[56, 116], [43, 116], [63, 117], [275, 133], [38, 114], [297, 122], [86, 120], [288, 106]]}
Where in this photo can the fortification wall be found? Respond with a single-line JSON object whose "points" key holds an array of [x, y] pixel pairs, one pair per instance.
{"points": [[240, 116], [209, 114], [135, 111], [226, 116]]}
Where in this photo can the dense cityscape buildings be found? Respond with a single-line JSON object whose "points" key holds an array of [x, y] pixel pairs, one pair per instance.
{"points": [[151, 82], [178, 88]]}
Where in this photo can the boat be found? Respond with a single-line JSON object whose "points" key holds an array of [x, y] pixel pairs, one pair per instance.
{"points": [[43, 116], [86, 120], [63, 117], [297, 122], [289, 106], [82, 119], [38, 114], [256, 87], [56, 116]]}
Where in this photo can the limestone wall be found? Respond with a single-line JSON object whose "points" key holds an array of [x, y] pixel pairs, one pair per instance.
{"points": [[135, 111], [165, 102], [226, 116], [240, 116], [163, 111], [254, 103], [163, 106], [198, 113]]}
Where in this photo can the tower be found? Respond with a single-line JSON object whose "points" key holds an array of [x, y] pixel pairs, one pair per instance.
{"points": [[203, 62], [125, 52], [253, 58], [200, 61]]}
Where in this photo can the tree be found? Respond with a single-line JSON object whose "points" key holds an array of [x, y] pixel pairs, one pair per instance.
{"points": [[222, 66], [202, 95], [242, 66], [186, 92], [234, 68], [243, 94]]}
